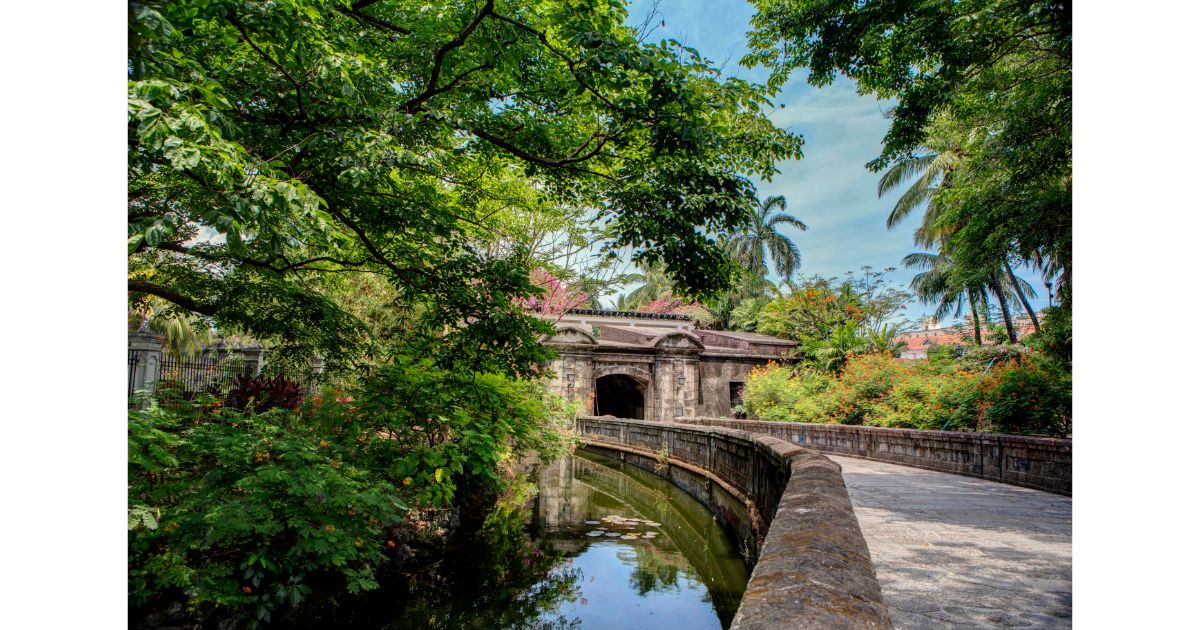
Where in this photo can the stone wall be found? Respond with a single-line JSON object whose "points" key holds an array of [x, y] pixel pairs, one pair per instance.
{"points": [[1032, 462], [716, 373], [813, 567]]}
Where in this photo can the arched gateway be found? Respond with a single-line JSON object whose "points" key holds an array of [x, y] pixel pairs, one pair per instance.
{"points": [[652, 366]]}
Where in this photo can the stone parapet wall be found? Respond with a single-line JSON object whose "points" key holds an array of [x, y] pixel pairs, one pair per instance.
{"points": [[1032, 462], [813, 567]]}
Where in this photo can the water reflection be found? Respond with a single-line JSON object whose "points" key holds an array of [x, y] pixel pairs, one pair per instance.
{"points": [[669, 562], [586, 542]]}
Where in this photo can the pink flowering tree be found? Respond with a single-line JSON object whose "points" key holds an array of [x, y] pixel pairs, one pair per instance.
{"points": [[557, 295], [662, 305], [675, 306]]}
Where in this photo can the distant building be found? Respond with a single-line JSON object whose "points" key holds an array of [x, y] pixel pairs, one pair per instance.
{"points": [[654, 366], [918, 342]]}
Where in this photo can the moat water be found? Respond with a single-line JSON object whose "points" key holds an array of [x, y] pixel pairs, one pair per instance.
{"points": [[585, 542]]}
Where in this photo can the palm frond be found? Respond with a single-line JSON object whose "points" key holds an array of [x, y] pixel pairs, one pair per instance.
{"points": [[913, 198], [903, 171], [919, 260], [774, 202], [786, 219]]}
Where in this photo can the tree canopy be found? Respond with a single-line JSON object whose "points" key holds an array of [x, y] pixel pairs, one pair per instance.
{"points": [[984, 82], [275, 147]]}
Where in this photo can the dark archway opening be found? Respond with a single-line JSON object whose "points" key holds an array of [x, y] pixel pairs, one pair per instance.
{"points": [[621, 396]]}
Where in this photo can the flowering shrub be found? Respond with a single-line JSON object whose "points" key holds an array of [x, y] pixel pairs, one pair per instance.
{"points": [[1022, 394]]}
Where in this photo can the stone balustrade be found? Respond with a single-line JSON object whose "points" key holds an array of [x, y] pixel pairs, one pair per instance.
{"points": [[1032, 462], [813, 568]]}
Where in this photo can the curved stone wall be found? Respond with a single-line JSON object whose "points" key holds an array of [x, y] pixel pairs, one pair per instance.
{"points": [[813, 567], [1032, 462]]}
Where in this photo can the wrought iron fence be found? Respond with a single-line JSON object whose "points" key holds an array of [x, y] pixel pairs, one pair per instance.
{"points": [[198, 375], [133, 363], [179, 382]]}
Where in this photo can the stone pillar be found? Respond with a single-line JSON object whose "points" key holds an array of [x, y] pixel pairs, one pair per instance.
{"points": [[254, 356], [144, 347], [675, 378]]}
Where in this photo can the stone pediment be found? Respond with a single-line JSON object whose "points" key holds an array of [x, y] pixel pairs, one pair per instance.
{"points": [[571, 335], [678, 341]]}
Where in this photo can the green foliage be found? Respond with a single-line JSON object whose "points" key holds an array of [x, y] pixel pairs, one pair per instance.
{"points": [[273, 147], [745, 315], [982, 123], [1029, 395], [921, 53], [1034, 398], [985, 357], [818, 306], [832, 319], [1055, 336], [257, 510], [830, 354]]}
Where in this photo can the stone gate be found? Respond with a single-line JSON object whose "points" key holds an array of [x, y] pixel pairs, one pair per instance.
{"points": [[653, 366]]}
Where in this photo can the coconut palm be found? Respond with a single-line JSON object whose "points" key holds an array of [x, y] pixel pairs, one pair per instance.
{"points": [[655, 285], [936, 285], [1022, 290], [941, 283], [933, 172], [762, 238]]}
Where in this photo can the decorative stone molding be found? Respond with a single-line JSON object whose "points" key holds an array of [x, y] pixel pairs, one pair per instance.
{"points": [[571, 335], [677, 342]]}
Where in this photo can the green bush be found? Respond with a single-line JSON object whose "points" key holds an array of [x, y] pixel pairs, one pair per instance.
{"points": [[252, 510], [249, 513], [1033, 398], [994, 389]]}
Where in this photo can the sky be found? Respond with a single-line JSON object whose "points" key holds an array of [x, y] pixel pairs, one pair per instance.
{"points": [[830, 188]]}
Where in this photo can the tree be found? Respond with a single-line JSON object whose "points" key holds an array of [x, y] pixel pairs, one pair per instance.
{"points": [[921, 53], [819, 305], [935, 285], [762, 238], [274, 144], [556, 296], [990, 78], [655, 285], [932, 171]]}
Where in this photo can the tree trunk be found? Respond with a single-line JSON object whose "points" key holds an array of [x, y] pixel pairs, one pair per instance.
{"points": [[975, 318], [998, 289], [1021, 295]]}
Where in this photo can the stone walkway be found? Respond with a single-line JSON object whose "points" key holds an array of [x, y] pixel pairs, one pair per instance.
{"points": [[958, 552]]}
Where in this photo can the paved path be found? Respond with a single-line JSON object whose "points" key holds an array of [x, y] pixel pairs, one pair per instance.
{"points": [[957, 552]]}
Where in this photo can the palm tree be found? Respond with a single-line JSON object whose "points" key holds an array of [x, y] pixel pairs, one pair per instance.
{"points": [[656, 284], [184, 334], [1023, 290], [762, 238], [936, 285], [933, 171]]}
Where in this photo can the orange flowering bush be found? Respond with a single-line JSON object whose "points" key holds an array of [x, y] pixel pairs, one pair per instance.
{"points": [[1025, 394]]}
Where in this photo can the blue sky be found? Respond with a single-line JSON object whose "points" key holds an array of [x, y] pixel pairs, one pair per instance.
{"points": [[829, 189]]}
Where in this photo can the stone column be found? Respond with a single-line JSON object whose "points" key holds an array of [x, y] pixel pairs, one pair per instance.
{"points": [[254, 356], [675, 378], [145, 348]]}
